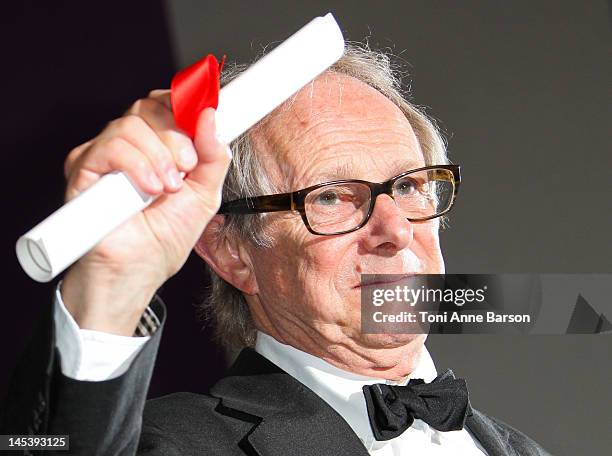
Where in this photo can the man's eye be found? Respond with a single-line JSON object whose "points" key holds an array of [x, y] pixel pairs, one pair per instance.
{"points": [[405, 187], [328, 198]]}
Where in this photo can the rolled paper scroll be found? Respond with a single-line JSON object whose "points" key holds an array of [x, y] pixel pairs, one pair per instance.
{"points": [[75, 228]]}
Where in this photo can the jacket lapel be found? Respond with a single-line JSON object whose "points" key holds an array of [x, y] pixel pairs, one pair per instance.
{"points": [[493, 438], [285, 418]]}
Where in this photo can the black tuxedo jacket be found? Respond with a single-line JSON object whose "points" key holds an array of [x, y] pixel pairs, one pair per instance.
{"points": [[255, 409]]}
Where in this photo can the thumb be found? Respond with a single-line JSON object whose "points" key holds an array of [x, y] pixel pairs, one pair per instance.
{"points": [[214, 156]]}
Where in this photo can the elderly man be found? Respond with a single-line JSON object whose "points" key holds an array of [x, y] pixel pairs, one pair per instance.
{"points": [[346, 178]]}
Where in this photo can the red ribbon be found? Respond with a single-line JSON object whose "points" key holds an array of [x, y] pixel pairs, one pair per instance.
{"points": [[194, 89]]}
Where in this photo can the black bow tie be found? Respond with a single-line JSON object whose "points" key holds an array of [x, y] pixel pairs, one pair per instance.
{"points": [[443, 404]]}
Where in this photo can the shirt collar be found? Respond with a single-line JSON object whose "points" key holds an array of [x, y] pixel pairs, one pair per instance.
{"points": [[341, 389]]}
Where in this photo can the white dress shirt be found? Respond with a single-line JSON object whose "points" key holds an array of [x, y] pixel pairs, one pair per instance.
{"points": [[97, 356], [342, 390], [91, 355]]}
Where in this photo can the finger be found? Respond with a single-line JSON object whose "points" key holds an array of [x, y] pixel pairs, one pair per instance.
{"points": [[213, 156], [72, 157], [159, 117], [136, 131], [114, 154], [161, 95]]}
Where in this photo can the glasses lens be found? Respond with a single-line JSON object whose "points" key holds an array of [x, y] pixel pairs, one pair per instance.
{"points": [[424, 194], [336, 208]]}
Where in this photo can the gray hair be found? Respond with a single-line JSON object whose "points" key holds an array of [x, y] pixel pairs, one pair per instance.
{"points": [[226, 307]]}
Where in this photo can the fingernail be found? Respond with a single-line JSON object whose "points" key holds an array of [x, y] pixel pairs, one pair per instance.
{"points": [[155, 182], [188, 156], [173, 178]]}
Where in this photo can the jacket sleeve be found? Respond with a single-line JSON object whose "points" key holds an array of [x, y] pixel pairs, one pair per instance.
{"points": [[87, 354], [100, 418]]}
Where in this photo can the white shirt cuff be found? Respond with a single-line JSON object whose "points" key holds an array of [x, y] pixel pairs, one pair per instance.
{"points": [[91, 355]]}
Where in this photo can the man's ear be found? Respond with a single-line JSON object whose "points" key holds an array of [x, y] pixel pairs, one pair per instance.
{"points": [[227, 257]]}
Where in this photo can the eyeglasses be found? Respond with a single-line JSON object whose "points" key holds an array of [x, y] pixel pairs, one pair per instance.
{"points": [[342, 206]]}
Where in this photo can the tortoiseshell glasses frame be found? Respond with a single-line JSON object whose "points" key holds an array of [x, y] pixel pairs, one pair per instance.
{"points": [[359, 197]]}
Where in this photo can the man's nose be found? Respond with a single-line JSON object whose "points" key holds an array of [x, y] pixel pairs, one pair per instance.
{"points": [[388, 230]]}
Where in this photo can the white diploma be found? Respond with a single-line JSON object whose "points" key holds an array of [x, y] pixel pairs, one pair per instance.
{"points": [[75, 228]]}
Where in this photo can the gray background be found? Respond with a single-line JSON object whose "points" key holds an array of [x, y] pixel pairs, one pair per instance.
{"points": [[522, 90]]}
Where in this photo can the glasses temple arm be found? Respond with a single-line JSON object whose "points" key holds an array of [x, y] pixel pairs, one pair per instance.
{"points": [[258, 204]]}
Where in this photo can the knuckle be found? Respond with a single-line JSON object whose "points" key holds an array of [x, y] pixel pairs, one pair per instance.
{"points": [[142, 106], [161, 96], [69, 161], [116, 145], [156, 93], [122, 155], [73, 156], [77, 183], [148, 106], [129, 124], [137, 107]]}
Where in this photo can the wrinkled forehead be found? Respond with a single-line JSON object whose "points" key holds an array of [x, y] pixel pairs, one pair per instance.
{"points": [[337, 127]]}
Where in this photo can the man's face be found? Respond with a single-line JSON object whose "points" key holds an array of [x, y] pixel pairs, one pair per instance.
{"points": [[308, 285]]}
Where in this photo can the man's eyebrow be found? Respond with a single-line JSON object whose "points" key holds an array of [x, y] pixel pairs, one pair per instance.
{"points": [[346, 171]]}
